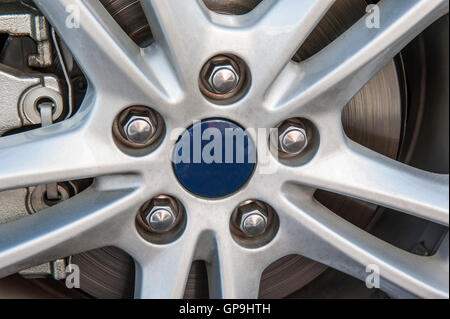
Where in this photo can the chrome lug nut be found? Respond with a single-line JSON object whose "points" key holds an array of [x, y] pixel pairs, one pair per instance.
{"points": [[254, 224], [223, 78], [161, 214], [161, 220], [139, 129], [253, 219], [293, 139]]}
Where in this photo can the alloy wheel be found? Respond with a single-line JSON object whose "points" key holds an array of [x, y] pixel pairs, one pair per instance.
{"points": [[164, 77]]}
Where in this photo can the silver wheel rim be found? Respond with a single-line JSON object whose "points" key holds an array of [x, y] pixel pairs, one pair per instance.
{"points": [[164, 77]]}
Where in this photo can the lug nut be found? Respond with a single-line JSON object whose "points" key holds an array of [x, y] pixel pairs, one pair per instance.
{"points": [[254, 224], [292, 138], [223, 79], [252, 219], [161, 220], [161, 214], [139, 129]]}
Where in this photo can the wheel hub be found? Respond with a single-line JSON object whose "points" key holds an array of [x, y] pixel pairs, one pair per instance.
{"points": [[214, 158], [360, 119]]}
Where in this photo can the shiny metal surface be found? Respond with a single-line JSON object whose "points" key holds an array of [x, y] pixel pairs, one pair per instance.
{"points": [[139, 130], [283, 89], [253, 223], [293, 140], [227, 89], [138, 127], [161, 219], [223, 79]]}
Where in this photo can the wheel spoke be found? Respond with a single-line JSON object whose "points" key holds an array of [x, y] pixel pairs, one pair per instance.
{"points": [[57, 153], [182, 29], [79, 224], [41, 156], [163, 272], [334, 75], [103, 50], [236, 272], [355, 171], [273, 40], [315, 232]]}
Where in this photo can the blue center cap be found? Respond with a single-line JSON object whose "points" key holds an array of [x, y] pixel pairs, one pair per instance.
{"points": [[214, 158]]}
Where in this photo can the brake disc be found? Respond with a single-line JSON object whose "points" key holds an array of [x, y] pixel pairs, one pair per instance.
{"points": [[373, 118]]}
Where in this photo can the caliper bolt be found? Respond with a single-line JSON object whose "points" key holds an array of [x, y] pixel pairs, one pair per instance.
{"points": [[292, 138], [252, 219]]}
